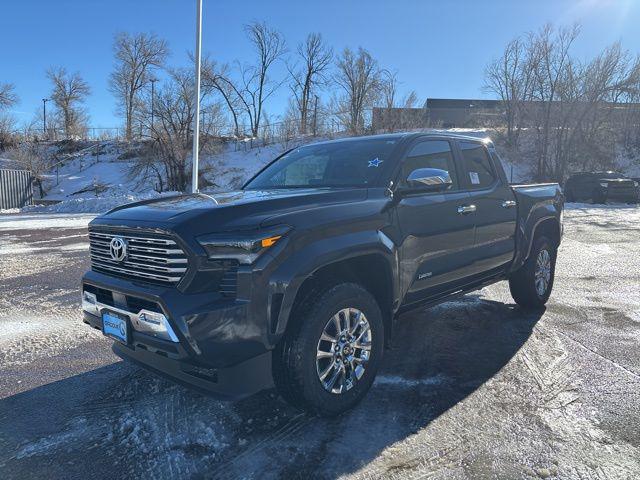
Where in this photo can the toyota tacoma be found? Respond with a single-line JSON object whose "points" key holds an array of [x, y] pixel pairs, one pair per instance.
{"points": [[296, 279]]}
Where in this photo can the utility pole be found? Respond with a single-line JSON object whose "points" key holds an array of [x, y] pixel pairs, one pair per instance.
{"points": [[153, 81], [196, 117], [44, 117]]}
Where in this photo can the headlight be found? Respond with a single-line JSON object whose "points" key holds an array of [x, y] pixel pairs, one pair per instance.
{"points": [[636, 184], [245, 247], [604, 184]]}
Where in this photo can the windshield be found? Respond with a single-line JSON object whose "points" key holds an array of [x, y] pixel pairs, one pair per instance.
{"points": [[352, 163]]}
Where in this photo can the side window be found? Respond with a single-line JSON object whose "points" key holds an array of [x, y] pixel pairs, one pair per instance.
{"points": [[476, 166], [310, 169], [430, 154]]}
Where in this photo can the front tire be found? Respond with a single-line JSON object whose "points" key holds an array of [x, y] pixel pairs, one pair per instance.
{"points": [[331, 352], [532, 283]]}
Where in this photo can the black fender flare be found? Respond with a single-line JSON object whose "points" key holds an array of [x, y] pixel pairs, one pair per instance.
{"points": [[302, 264], [527, 233]]}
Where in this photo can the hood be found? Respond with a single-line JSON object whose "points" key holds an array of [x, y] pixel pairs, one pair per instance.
{"points": [[225, 211]]}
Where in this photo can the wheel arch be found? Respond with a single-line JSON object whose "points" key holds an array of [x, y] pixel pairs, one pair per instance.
{"points": [[372, 271], [549, 224], [548, 227]]}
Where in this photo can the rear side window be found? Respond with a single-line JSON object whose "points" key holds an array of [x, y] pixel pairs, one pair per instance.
{"points": [[476, 166], [430, 154]]}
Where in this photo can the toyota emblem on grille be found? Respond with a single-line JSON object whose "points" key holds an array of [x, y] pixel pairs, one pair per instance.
{"points": [[118, 249]]}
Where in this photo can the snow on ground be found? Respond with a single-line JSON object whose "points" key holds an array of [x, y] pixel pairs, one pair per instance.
{"points": [[83, 169], [224, 171], [44, 221]]}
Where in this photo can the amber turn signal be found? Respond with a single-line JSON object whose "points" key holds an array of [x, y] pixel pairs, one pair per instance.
{"points": [[270, 242]]}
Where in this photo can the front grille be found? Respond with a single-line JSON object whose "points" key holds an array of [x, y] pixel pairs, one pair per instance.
{"points": [[151, 257], [131, 304]]}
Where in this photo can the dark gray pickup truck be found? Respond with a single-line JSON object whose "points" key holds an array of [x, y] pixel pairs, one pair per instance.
{"points": [[297, 279]]}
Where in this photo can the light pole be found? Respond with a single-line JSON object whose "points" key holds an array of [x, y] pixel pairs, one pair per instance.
{"points": [[315, 117], [153, 81], [44, 116], [196, 117]]}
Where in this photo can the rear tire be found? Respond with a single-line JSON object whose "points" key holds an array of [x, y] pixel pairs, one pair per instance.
{"points": [[302, 357], [532, 283]]}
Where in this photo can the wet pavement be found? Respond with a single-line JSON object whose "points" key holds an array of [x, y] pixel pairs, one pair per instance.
{"points": [[475, 388]]}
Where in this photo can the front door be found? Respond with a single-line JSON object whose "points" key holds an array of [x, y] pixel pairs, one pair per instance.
{"points": [[437, 235]]}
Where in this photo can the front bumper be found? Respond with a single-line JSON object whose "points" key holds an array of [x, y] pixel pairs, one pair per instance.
{"points": [[215, 344], [168, 360]]}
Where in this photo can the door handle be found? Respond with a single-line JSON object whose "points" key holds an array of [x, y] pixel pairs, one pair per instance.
{"points": [[465, 209], [508, 203]]}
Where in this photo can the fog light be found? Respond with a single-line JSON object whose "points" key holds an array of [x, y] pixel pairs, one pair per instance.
{"points": [[89, 303], [155, 324]]}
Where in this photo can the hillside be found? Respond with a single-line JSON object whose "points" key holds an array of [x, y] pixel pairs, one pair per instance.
{"points": [[86, 183]]}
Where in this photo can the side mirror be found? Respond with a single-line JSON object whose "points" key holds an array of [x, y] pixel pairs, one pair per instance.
{"points": [[429, 180]]}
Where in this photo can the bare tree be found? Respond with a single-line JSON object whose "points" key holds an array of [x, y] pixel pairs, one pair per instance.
{"points": [[174, 111], [257, 87], [8, 137], [69, 93], [30, 156], [548, 59], [574, 107], [586, 124], [359, 78], [389, 86], [8, 96], [136, 57], [393, 114], [315, 58], [508, 77], [218, 77]]}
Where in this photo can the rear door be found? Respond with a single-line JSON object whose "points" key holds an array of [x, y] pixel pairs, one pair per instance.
{"points": [[435, 252], [495, 206]]}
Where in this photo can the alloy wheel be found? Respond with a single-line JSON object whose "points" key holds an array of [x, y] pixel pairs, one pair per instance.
{"points": [[343, 351], [543, 272]]}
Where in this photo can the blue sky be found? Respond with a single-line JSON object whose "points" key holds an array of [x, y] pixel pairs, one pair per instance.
{"points": [[439, 48]]}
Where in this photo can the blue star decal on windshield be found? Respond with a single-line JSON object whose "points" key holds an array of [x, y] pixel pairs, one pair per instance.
{"points": [[375, 162]]}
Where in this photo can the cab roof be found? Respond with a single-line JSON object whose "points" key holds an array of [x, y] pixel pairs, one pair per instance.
{"points": [[405, 136]]}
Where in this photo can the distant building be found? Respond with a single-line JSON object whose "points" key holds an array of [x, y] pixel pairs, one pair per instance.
{"points": [[451, 112], [439, 112], [467, 113]]}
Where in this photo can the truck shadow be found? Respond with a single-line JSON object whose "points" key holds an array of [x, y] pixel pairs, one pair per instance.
{"points": [[128, 419]]}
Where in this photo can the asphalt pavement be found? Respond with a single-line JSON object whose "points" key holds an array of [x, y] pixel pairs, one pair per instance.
{"points": [[475, 388]]}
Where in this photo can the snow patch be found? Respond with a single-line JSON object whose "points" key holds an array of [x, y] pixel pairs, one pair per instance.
{"points": [[397, 381], [39, 222]]}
